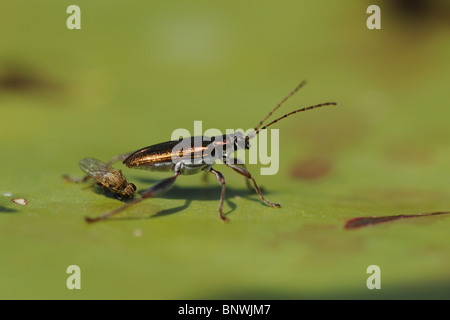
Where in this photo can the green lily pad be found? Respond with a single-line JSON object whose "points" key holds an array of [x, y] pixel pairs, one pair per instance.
{"points": [[135, 73]]}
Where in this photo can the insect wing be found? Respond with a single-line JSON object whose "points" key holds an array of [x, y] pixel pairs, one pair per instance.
{"points": [[95, 168]]}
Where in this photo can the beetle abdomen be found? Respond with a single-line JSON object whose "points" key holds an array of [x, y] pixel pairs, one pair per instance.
{"points": [[167, 152]]}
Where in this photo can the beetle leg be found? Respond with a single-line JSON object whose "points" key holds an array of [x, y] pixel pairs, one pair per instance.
{"points": [[245, 173], [241, 164], [155, 190], [221, 180], [159, 187]]}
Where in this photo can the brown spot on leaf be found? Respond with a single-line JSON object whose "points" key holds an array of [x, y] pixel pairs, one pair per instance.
{"points": [[417, 11], [368, 221], [311, 169], [26, 80]]}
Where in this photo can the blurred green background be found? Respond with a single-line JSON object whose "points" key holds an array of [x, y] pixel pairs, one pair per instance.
{"points": [[138, 70]]}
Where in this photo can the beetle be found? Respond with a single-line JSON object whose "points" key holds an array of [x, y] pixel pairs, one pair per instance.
{"points": [[186, 157], [105, 176]]}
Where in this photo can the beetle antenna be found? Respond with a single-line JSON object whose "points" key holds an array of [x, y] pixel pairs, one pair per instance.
{"points": [[257, 130], [281, 102]]}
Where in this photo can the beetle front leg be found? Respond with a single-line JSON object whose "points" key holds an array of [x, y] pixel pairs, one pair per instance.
{"points": [[245, 173], [221, 180], [241, 164]]}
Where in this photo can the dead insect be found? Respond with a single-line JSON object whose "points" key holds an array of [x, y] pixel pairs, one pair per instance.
{"points": [[168, 156], [105, 176]]}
